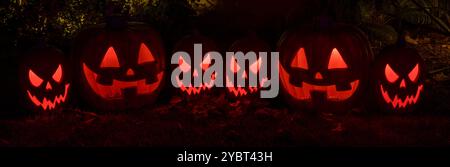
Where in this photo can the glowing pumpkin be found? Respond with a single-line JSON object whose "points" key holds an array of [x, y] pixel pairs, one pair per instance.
{"points": [[186, 44], [398, 78], [121, 67], [44, 79], [248, 44], [324, 67]]}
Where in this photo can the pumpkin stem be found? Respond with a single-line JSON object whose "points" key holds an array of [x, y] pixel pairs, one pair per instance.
{"points": [[114, 17], [116, 22], [323, 21]]}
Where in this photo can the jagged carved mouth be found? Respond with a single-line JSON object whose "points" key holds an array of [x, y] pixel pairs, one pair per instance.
{"points": [[304, 92], [47, 103], [195, 89], [242, 90], [116, 89], [397, 102]]}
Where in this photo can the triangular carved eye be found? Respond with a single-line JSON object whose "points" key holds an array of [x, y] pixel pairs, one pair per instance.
{"points": [[234, 65], [254, 68], [391, 76], [145, 55], [336, 60], [58, 74], [299, 60], [35, 80], [413, 75], [110, 60], [206, 62], [184, 66]]}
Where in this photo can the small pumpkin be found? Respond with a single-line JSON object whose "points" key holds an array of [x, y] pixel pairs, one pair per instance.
{"points": [[121, 65], [44, 79], [247, 44], [324, 67], [186, 44], [398, 79]]}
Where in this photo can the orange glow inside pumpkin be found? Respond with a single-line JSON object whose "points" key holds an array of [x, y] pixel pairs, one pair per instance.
{"points": [[58, 74], [392, 77], [35, 80], [47, 103], [130, 72], [304, 92], [190, 89], [115, 89], [318, 76], [48, 86], [336, 60], [110, 60], [185, 67], [413, 75], [145, 56], [254, 67], [300, 60], [206, 62], [234, 66], [240, 90], [399, 102]]}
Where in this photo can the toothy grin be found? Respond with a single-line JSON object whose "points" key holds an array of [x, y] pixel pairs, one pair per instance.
{"points": [[194, 90], [115, 90], [401, 103], [304, 92], [48, 104], [241, 90]]}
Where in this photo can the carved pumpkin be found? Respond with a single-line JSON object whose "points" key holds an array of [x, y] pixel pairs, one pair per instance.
{"points": [[247, 44], [324, 67], [44, 79], [186, 44], [121, 67], [398, 79]]}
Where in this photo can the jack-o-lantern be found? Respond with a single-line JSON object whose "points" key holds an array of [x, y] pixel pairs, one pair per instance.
{"points": [[120, 66], [324, 67], [398, 79], [44, 79], [248, 44], [186, 44]]}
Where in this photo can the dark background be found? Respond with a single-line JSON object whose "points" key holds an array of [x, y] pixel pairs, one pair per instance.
{"points": [[216, 121]]}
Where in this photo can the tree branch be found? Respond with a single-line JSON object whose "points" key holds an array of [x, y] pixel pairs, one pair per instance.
{"points": [[434, 18]]}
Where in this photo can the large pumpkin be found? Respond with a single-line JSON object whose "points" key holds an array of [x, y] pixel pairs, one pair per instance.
{"points": [[324, 67], [120, 66], [186, 44], [44, 79], [247, 44], [398, 79]]}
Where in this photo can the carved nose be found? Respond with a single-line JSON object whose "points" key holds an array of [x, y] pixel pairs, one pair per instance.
{"points": [[244, 75], [48, 86], [195, 73], [318, 76], [130, 72], [403, 84]]}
